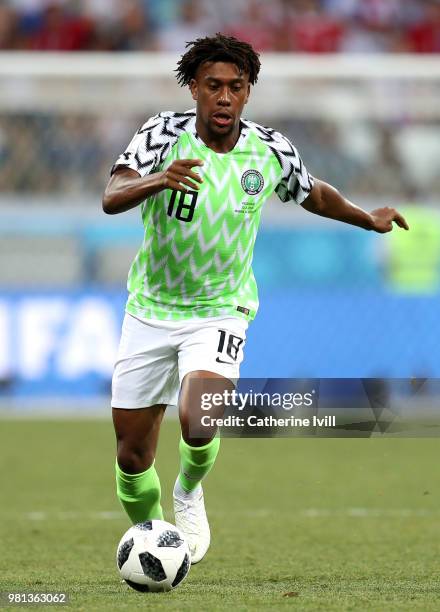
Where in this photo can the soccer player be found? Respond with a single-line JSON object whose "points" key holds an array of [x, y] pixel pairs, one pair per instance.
{"points": [[201, 179]]}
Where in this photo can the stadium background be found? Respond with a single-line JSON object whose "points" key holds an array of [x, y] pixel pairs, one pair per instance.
{"points": [[312, 523], [354, 84]]}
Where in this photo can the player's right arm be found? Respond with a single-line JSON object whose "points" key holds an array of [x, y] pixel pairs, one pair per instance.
{"points": [[126, 188]]}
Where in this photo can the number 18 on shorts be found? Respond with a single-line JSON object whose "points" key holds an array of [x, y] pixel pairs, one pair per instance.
{"points": [[154, 356]]}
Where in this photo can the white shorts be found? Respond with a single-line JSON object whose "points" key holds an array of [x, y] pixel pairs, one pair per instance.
{"points": [[154, 356]]}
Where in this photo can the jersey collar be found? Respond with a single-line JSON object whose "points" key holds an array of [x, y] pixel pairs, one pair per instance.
{"points": [[244, 130]]}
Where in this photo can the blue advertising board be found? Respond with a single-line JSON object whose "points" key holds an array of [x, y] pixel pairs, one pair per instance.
{"points": [[64, 343]]}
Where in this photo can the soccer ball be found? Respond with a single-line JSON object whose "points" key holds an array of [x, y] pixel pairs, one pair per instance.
{"points": [[153, 556]]}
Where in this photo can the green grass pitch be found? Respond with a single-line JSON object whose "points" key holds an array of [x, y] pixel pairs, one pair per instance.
{"points": [[297, 524]]}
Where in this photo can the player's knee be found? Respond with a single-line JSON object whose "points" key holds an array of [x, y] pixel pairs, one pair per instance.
{"points": [[134, 461], [198, 438], [194, 434]]}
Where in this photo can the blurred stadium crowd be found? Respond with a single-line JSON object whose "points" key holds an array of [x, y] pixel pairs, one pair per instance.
{"points": [[303, 26], [75, 154], [59, 152]]}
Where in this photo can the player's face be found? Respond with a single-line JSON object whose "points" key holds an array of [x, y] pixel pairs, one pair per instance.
{"points": [[221, 91]]}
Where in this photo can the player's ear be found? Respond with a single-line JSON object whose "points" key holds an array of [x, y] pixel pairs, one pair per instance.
{"points": [[193, 88]]}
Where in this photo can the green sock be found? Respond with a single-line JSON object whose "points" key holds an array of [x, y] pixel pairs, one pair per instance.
{"points": [[196, 461], [139, 494]]}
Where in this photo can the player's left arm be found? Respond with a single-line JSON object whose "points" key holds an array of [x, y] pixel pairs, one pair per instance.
{"points": [[326, 201]]}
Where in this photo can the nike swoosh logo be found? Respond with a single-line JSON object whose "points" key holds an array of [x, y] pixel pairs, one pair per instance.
{"points": [[218, 360], [190, 477]]}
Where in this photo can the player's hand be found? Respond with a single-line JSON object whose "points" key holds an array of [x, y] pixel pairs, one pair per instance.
{"points": [[180, 177], [383, 219]]}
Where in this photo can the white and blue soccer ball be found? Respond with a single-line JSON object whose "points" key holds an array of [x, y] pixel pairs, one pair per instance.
{"points": [[153, 556]]}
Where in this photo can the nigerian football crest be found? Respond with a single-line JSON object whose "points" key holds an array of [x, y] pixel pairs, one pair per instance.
{"points": [[252, 182]]}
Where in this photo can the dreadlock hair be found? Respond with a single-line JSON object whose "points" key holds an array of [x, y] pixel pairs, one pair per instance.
{"points": [[218, 48]]}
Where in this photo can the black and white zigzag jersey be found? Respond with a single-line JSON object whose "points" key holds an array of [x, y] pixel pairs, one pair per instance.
{"points": [[196, 257]]}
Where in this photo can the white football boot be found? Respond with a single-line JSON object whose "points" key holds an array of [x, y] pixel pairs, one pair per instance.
{"points": [[190, 517]]}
